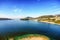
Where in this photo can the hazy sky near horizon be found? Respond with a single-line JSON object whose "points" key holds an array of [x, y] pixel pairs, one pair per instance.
{"points": [[23, 8]]}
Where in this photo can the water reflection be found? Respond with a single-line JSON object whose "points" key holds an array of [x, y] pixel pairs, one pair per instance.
{"points": [[11, 28]]}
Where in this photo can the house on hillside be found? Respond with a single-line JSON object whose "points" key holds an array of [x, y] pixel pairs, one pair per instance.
{"points": [[47, 18], [57, 17]]}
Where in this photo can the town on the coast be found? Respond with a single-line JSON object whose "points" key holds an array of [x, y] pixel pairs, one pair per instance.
{"points": [[54, 19]]}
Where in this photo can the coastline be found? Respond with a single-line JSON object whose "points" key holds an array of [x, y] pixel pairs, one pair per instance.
{"points": [[49, 22]]}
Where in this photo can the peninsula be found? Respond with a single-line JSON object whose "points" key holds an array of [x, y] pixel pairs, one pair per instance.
{"points": [[53, 19], [5, 19]]}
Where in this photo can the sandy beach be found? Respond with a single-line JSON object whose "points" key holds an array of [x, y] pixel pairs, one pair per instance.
{"points": [[49, 22]]}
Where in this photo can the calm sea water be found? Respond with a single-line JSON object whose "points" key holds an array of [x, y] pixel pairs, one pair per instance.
{"points": [[18, 26]]}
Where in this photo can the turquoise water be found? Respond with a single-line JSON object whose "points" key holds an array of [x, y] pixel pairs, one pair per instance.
{"points": [[14, 27]]}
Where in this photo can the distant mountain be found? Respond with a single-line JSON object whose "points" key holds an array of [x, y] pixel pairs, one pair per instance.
{"points": [[26, 18], [5, 19]]}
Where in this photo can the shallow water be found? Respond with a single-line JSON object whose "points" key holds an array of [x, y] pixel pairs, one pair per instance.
{"points": [[32, 37]]}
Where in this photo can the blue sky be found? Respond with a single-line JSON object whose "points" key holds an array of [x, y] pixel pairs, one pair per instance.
{"points": [[24, 8]]}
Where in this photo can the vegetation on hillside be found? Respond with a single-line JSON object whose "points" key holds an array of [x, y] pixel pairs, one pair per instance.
{"points": [[46, 18]]}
